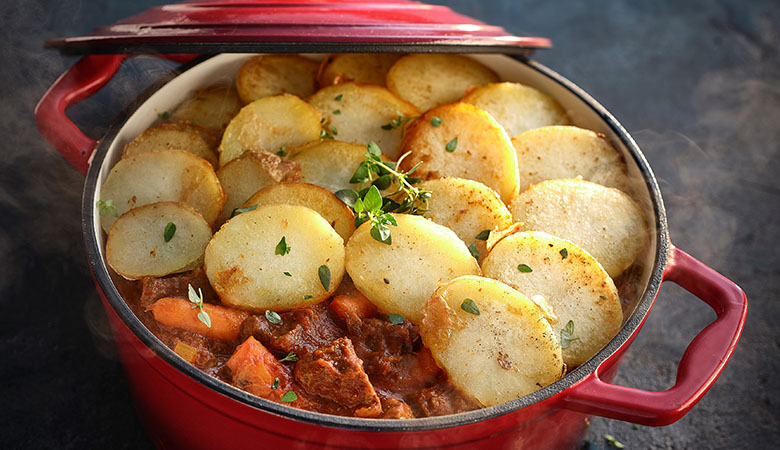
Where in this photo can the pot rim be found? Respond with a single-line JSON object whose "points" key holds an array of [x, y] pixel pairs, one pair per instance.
{"points": [[629, 328]]}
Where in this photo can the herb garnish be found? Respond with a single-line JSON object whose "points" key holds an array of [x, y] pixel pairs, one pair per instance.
{"points": [[435, 121], [483, 235], [282, 151], [567, 335], [333, 130], [307, 296], [399, 122], [290, 357], [325, 135], [107, 207], [564, 253], [337, 112], [275, 384], [165, 115], [287, 274], [451, 145], [170, 230], [273, 317], [470, 307], [243, 210], [369, 209], [289, 396], [603, 297], [338, 97], [396, 319], [324, 274], [524, 268], [473, 250], [282, 248], [612, 442], [197, 299]]}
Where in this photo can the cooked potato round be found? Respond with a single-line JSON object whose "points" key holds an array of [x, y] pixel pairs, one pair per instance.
{"points": [[433, 79], [399, 278], [361, 113], [571, 282], [338, 215], [212, 108], [167, 175], [555, 152], [466, 207], [268, 124], [466, 143], [368, 68], [248, 266], [267, 75], [504, 352], [329, 163], [137, 246], [603, 221], [171, 136], [517, 107]]}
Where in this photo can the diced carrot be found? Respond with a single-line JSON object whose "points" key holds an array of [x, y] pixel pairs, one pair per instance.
{"points": [[357, 305], [254, 369], [178, 312]]}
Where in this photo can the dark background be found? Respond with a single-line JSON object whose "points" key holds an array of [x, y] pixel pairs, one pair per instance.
{"points": [[697, 83]]}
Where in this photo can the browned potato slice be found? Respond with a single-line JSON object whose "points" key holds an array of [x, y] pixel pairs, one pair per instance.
{"points": [[171, 136], [517, 107], [572, 283], [250, 268], [493, 342], [603, 221], [267, 75], [269, 124], [361, 113], [329, 163], [431, 79], [251, 172], [459, 140], [556, 152], [468, 208], [399, 278], [212, 108], [314, 197], [137, 246], [368, 68], [166, 175]]}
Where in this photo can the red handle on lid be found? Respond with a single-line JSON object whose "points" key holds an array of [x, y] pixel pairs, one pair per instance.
{"points": [[703, 361]]}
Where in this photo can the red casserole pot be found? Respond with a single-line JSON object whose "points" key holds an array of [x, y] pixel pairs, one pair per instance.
{"points": [[169, 392]]}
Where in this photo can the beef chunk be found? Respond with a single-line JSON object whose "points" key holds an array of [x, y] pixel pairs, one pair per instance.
{"points": [[381, 344], [395, 409], [334, 372], [153, 289], [442, 399]]}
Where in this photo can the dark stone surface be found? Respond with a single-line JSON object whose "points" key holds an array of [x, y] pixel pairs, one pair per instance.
{"points": [[697, 83]]}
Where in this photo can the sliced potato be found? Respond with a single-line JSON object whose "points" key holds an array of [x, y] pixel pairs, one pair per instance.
{"points": [[361, 113], [497, 347], [468, 208], [433, 79], [166, 175], [571, 282], [517, 107], [368, 68], [463, 142], [338, 215], [171, 136], [136, 245], [399, 278], [329, 163], [268, 124], [244, 264], [556, 152], [267, 75], [251, 172], [603, 221], [212, 108]]}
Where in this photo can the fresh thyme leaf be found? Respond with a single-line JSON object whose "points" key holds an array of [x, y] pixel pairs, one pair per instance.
{"points": [[470, 307], [435, 121], [483, 235], [290, 396], [282, 248], [170, 230], [290, 357], [337, 112], [567, 335], [351, 294], [203, 317], [396, 319], [333, 130], [324, 274], [288, 274], [383, 182], [325, 135], [361, 174], [197, 299], [348, 196], [398, 122], [451, 145], [525, 268], [338, 97], [612, 442], [381, 233], [374, 149], [564, 253], [473, 250], [273, 317], [275, 385], [307, 296], [243, 210], [165, 115], [373, 199], [282, 151], [387, 126], [107, 207], [603, 297]]}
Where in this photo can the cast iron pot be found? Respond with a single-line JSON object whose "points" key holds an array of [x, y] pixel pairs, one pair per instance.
{"points": [[169, 392]]}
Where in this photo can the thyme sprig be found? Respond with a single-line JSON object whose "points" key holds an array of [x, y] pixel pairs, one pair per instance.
{"points": [[197, 299]]}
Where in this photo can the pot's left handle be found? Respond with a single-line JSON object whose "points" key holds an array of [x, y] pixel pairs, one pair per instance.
{"points": [[80, 81]]}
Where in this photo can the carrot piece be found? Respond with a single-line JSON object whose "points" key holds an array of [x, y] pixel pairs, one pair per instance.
{"points": [[254, 369], [178, 312], [348, 305], [186, 351]]}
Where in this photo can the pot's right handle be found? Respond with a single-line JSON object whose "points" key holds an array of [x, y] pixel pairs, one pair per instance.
{"points": [[701, 364]]}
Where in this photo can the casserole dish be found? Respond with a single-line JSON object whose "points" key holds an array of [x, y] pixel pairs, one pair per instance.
{"points": [[169, 393]]}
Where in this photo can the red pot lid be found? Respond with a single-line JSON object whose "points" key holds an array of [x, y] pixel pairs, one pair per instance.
{"points": [[299, 26]]}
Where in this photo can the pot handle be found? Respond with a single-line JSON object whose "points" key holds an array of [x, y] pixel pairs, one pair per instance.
{"points": [[702, 362]]}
